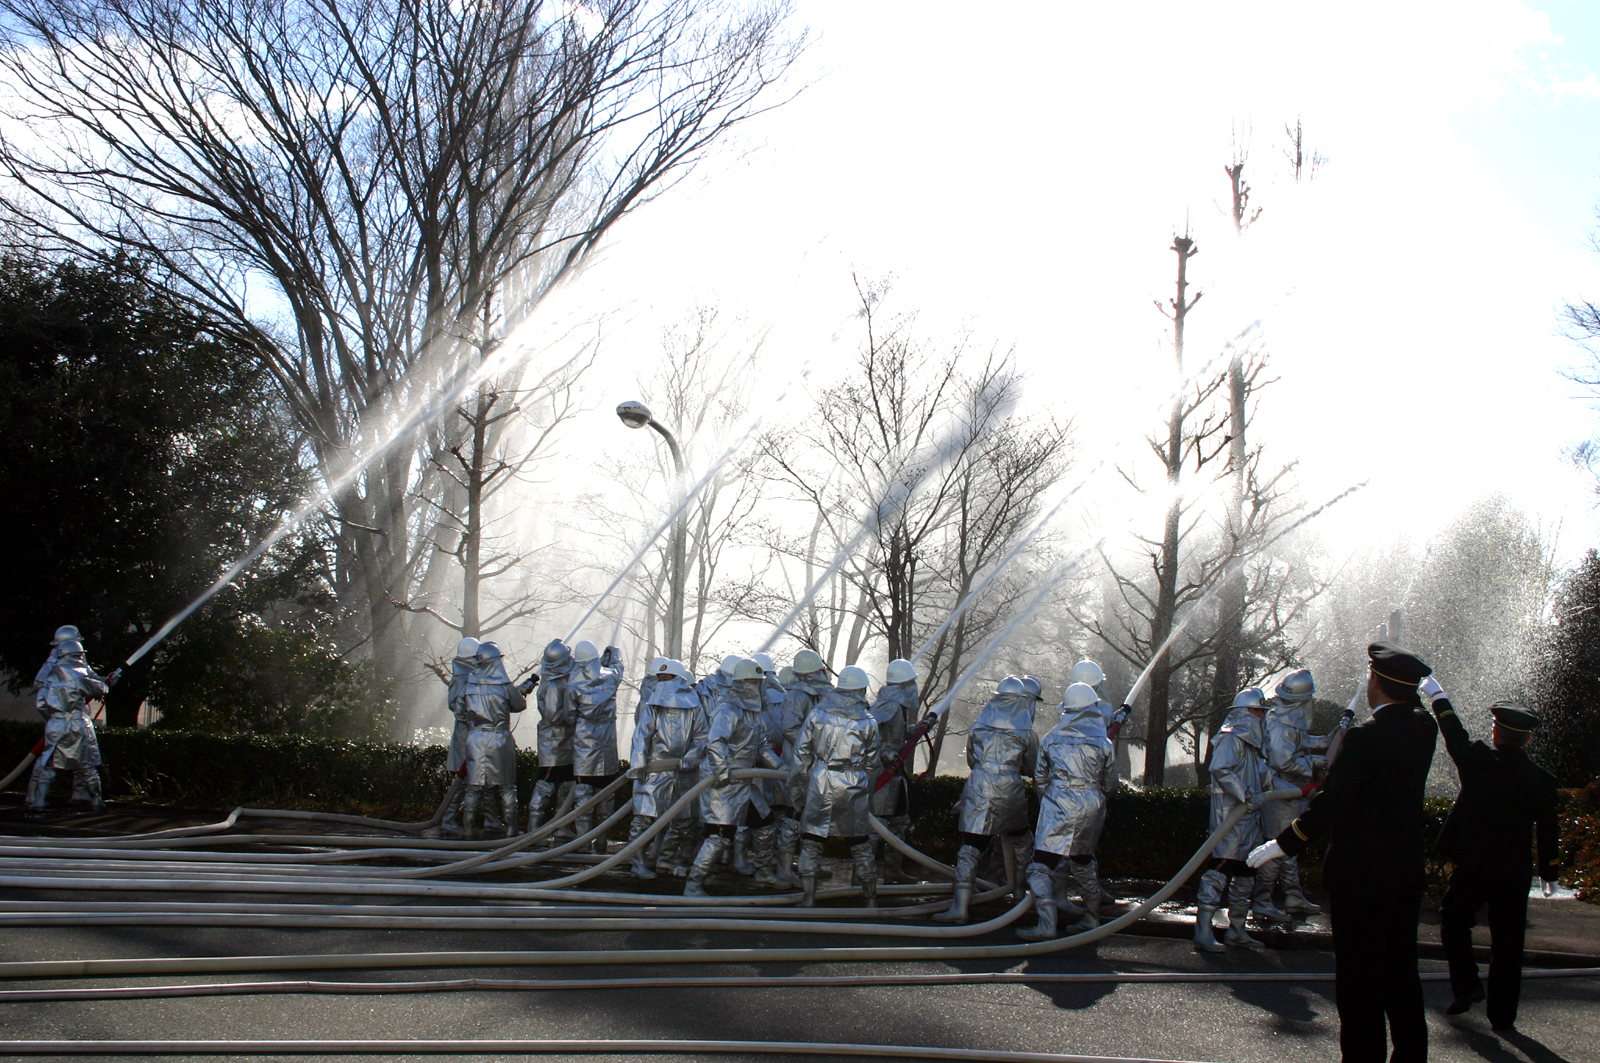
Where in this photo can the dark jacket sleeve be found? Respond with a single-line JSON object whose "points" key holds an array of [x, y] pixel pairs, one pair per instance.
{"points": [[1456, 739], [1547, 830], [1343, 783]]}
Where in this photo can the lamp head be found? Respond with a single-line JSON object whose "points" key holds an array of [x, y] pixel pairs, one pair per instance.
{"points": [[634, 414]]}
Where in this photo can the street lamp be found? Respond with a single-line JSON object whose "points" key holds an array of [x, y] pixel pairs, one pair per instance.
{"points": [[636, 414]]}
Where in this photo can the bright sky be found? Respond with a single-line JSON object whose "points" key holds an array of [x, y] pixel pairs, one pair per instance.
{"points": [[1021, 170]]}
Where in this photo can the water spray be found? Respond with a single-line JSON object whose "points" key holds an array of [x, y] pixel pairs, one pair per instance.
{"points": [[500, 359], [1144, 676], [1039, 526]]}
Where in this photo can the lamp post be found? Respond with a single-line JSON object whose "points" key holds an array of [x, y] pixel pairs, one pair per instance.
{"points": [[637, 415]]}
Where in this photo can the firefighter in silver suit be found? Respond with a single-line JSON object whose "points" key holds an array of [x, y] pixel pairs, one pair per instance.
{"points": [[593, 683], [69, 739], [765, 860], [1001, 749], [1292, 762], [460, 667], [735, 739], [485, 704], [556, 718], [1238, 777], [893, 710], [806, 688], [837, 758], [1076, 769], [670, 726], [64, 633]]}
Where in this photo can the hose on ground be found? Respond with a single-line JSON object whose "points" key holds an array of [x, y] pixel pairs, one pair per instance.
{"points": [[543, 1047], [575, 957], [755, 981]]}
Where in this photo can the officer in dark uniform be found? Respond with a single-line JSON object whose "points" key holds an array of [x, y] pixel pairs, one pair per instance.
{"points": [[1371, 803], [1504, 796]]}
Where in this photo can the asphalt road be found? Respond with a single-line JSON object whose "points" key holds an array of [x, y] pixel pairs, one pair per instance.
{"points": [[1245, 1022]]}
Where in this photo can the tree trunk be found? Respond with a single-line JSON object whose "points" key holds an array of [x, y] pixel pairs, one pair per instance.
{"points": [[1162, 623]]}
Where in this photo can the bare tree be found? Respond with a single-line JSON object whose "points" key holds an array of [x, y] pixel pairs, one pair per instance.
{"points": [[347, 183], [1303, 163], [943, 429]]}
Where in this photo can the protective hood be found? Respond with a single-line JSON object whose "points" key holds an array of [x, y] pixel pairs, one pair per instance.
{"points": [[904, 695], [673, 693], [1290, 715], [1088, 722], [814, 683], [1008, 712], [557, 669], [488, 670], [1243, 722], [847, 703], [714, 684], [774, 690]]}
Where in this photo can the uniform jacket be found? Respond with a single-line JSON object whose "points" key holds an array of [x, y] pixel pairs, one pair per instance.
{"points": [[593, 686], [1077, 767], [70, 741], [671, 726], [1503, 796], [484, 704], [556, 715], [892, 710], [1371, 804], [1238, 773], [836, 761], [1001, 749], [736, 738]]}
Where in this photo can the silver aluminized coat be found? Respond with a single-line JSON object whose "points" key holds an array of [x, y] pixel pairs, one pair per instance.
{"points": [[485, 704], [460, 668], [1000, 750], [594, 703], [837, 758], [1291, 761], [800, 697], [69, 738], [556, 715], [1238, 772], [671, 725], [736, 738], [1077, 767], [773, 695], [892, 710]]}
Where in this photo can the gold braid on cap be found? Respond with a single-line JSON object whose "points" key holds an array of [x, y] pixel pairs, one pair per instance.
{"points": [[1508, 727], [1392, 679]]}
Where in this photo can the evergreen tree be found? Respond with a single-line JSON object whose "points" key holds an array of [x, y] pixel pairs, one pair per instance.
{"points": [[1567, 680]]}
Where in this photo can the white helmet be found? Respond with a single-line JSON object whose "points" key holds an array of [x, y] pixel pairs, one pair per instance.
{"points": [[1249, 698], [467, 647], [901, 671], [852, 678], [679, 669], [768, 665], [660, 665], [806, 662], [65, 633], [1296, 687], [785, 676], [1087, 672], [744, 668], [584, 652], [70, 648], [1079, 696], [729, 664], [1034, 687], [1011, 685]]}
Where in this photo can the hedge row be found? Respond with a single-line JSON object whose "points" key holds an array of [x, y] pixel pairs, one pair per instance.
{"points": [[1148, 833]]}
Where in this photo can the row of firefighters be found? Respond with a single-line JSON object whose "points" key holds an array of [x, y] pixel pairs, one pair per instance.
{"points": [[840, 758]]}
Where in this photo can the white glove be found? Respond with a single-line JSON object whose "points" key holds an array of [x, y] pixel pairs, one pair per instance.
{"points": [[1430, 686], [1263, 853], [1549, 887]]}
